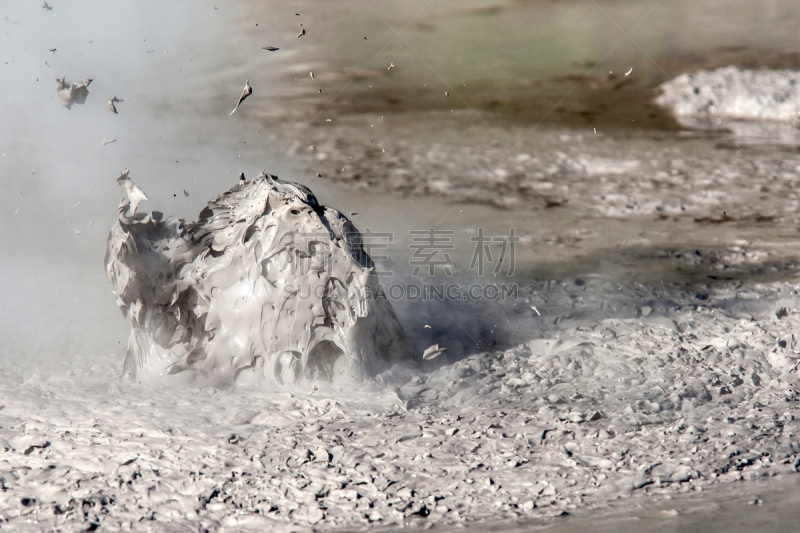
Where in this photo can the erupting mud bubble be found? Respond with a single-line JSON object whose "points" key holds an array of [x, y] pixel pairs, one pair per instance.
{"points": [[267, 287]]}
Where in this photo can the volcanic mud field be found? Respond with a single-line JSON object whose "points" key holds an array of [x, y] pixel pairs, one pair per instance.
{"points": [[643, 373]]}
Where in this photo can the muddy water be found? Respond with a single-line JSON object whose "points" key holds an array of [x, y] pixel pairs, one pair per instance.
{"points": [[576, 62]]}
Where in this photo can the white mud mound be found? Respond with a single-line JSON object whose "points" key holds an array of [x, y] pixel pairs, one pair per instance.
{"points": [[267, 287], [734, 94]]}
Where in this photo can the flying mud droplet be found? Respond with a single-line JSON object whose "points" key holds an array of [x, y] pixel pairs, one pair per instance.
{"points": [[245, 93], [112, 102], [134, 193], [72, 93], [432, 352]]}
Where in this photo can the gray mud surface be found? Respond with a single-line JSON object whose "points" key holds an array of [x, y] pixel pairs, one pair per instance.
{"points": [[713, 177], [624, 390]]}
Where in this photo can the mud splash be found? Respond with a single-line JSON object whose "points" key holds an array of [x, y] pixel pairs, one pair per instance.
{"points": [[267, 287]]}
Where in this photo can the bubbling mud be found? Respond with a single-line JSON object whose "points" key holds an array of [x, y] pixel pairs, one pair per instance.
{"points": [[268, 287]]}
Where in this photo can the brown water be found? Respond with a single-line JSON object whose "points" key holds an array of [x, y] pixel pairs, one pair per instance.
{"points": [[562, 62]]}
